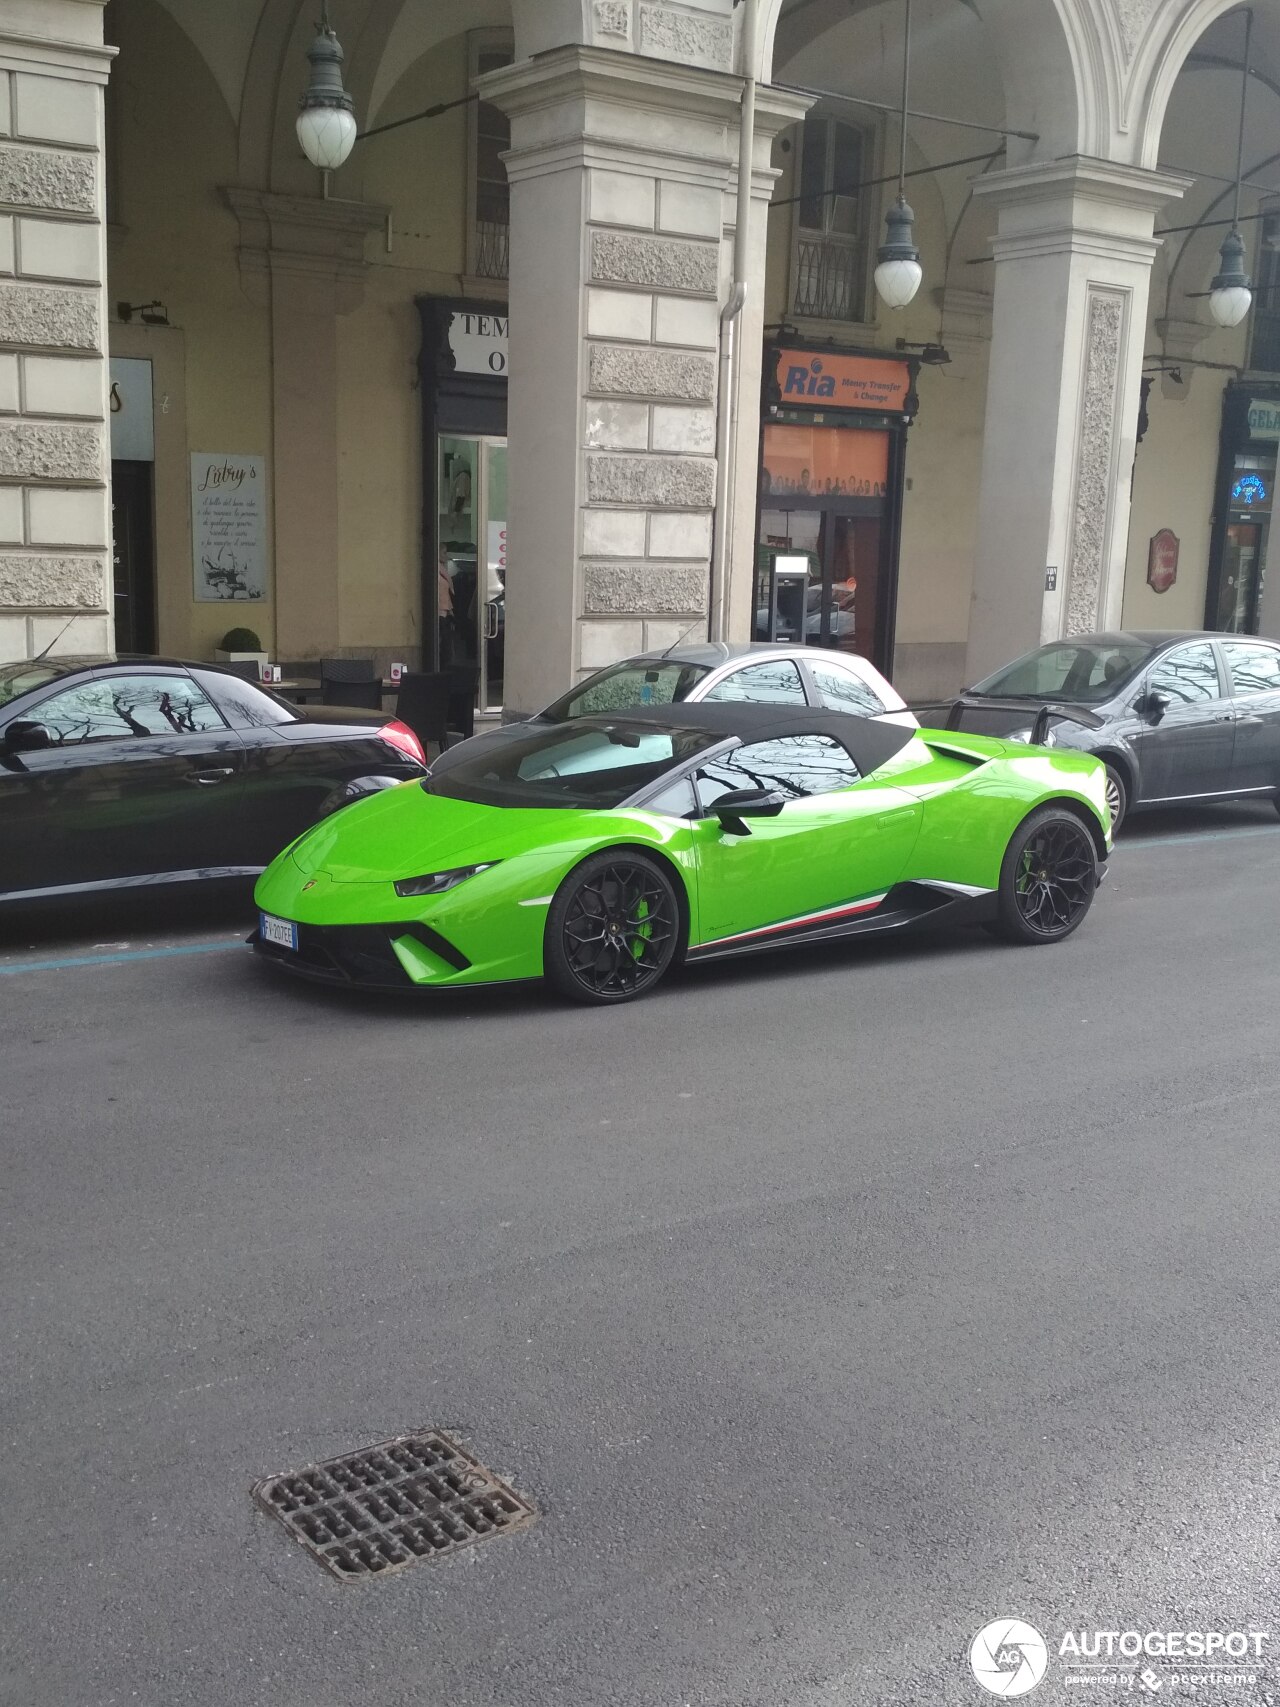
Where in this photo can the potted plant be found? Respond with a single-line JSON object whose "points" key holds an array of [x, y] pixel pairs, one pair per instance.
{"points": [[238, 644]]}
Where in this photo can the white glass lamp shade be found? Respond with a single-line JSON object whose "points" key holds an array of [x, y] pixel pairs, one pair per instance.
{"points": [[1230, 294], [1230, 303], [327, 135], [898, 281], [899, 272]]}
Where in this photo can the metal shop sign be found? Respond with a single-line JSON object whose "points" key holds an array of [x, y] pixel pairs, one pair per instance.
{"points": [[1162, 560], [1264, 418], [810, 377], [478, 342]]}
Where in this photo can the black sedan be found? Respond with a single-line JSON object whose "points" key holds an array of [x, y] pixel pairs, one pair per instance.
{"points": [[116, 773], [1175, 717]]}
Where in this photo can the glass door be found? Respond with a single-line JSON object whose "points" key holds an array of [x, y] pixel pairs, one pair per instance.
{"points": [[472, 542]]}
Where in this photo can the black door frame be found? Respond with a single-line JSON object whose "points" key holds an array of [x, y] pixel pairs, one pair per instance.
{"points": [[452, 402], [774, 412], [1234, 440]]}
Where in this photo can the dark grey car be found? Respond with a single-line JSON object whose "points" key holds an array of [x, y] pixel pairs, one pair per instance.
{"points": [[1175, 717]]}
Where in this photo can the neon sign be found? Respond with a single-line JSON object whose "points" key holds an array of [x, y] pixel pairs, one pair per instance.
{"points": [[1249, 490]]}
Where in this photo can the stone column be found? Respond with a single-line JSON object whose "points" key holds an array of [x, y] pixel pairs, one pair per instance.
{"points": [[55, 512], [1073, 258], [623, 173], [303, 257]]}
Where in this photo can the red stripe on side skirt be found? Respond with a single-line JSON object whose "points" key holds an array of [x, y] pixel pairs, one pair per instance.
{"points": [[832, 913]]}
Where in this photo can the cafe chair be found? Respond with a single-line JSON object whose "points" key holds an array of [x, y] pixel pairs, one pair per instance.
{"points": [[350, 681]]}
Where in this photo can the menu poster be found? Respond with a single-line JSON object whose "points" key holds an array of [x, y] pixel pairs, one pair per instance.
{"points": [[228, 526]]}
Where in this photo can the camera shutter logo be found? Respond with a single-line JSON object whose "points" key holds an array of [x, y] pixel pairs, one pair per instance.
{"points": [[1008, 1657]]}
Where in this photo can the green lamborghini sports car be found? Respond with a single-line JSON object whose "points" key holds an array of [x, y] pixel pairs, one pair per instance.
{"points": [[601, 852]]}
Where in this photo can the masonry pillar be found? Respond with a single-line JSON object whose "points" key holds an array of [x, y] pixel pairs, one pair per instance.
{"points": [[1073, 258], [303, 258], [55, 512], [623, 174]]}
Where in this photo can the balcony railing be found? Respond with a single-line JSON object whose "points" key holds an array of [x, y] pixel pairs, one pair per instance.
{"points": [[829, 280], [493, 248]]}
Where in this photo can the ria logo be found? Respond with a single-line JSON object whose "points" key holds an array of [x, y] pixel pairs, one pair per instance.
{"points": [[810, 382], [1008, 1657]]}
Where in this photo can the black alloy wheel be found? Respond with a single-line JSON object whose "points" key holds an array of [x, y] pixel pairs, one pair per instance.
{"points": [[1048, 878], [1117, 798], [613, 928]]}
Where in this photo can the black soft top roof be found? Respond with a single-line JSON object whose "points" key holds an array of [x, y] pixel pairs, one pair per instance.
{"points": [[870, 744]]}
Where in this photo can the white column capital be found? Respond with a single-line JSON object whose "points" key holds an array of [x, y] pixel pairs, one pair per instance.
{"points": [[1078, 205]]}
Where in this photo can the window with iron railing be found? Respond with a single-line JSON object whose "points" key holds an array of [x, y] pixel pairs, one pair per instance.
{"points": [[489, 136], [829, 261], [1264, 355]]}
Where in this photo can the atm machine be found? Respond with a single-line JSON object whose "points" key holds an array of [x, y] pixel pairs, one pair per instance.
{"points": [[783, 578]]}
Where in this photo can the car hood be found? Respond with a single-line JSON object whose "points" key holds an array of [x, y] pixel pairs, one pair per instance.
{"points": [[406, 832]]}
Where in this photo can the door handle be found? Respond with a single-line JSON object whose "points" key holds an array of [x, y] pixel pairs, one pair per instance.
{"points": [[206, 779], [1225, 717]]}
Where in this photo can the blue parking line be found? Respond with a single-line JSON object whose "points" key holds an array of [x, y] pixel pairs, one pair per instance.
{"points": [[12, 970]]}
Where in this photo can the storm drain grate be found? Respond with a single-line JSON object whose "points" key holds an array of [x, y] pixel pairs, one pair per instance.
{"points": [[372, 1512]]}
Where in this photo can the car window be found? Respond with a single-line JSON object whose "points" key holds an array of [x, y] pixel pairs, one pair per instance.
{"points": [[676, 800], [795, 765], [644, 681], [23, 678], [1254, 669], [843, 690], [1188, 676], [580, 766], [1088, 670], [114, 706], [246, 705], [775, 682]]}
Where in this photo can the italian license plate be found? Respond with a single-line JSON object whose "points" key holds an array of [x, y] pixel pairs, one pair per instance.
{"points": [[283, 933]]}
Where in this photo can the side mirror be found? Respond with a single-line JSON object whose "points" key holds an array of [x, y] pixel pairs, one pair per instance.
{"points": [[1153, 704], [734, 808], [24, 736]]}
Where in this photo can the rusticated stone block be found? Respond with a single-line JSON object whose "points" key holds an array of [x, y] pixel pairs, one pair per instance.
{"points": [[626, 372], [613, 18], [678, 35], [53, 583], [658, 263], [43, 177], [49, 319], [48, 450], [669, 482], [626, 589]]}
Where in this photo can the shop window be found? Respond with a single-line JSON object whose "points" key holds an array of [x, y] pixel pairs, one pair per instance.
{"points": [[829, 258], [488, 138], [1265, 354]]}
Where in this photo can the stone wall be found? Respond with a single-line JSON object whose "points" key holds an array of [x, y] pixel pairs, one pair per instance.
{"points": [[55, 526]]}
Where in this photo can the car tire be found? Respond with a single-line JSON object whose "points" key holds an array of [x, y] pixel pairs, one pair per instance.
{"points": [[1048, 878], [613, 929], [1117, 798]]}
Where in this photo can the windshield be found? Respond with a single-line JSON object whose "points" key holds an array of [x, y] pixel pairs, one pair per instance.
{"points": [[641, 681], [596, 767], [18, 679], [1078, 671]]}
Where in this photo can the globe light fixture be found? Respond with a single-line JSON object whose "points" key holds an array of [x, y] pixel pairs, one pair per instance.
{"points": [[898, 270], [326, 124], [1230, 294], [898, 273]]}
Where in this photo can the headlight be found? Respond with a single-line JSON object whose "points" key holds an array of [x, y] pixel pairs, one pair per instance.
{"points": [[436, 882]]}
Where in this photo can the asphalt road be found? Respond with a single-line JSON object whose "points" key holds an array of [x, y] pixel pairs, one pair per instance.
{"points": [[828, 1306]]}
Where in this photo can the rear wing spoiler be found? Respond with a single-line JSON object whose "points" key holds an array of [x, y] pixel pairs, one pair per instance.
{"points": [[1040, 728]]}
